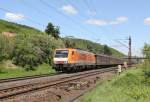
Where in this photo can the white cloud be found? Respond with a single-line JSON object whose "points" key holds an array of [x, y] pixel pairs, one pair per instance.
{"points": [[119, 20], [122, 19], [114, 22], [69, 9], [97, 22], [91, 13], [147, 21], [14, 16]]}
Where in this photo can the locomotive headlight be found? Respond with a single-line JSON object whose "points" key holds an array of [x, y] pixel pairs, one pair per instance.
{"points": [[65, 62]]}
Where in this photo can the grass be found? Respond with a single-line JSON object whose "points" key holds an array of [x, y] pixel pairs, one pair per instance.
{"points": [[19, 72], [130, 86], [18, 28]]}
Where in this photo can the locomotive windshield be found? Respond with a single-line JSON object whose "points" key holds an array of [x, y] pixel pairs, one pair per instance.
{"points": [[61, 54]]}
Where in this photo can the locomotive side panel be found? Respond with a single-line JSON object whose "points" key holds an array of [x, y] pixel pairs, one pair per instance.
{"points": [[86, 58], [72, 59]]}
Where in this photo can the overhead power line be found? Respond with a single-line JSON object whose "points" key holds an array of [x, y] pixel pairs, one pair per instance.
{"points": [[90, 6], [35, 8], [67, 17], [39, 11], [122, 43]]}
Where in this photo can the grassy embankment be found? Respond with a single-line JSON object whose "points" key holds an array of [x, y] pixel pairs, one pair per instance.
{"points": [[7, 72], [130, 86]]}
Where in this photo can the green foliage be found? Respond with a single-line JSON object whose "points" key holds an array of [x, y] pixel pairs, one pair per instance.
{"points": [[26, 55], [146, 64], [146, 70], [107, 50], [52, 30], [32, 51], [6, 26], [146, 51], [90, 46], [128, 80], [31, 47], [20, 72], [68, 43], [6, 47], [127, 87]]}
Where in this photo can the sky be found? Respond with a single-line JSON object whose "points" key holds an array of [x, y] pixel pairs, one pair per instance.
{"points": [[102, 21]]}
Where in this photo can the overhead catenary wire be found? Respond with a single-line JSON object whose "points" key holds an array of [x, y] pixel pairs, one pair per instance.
{"points": [[67, 17], [42, 12], [81, 15], [91, 8], [36, 9], [85, 17], [87, 5], [94, 9]]}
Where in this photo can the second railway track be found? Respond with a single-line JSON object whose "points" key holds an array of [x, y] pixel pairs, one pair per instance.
{"points": [[25, 78], [7, 93]]}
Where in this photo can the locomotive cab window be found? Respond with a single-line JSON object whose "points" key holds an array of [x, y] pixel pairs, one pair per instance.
{"points": [[61, 54]]}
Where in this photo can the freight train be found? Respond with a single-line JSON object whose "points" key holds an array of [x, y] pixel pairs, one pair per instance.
{"points": [[71, 60]]}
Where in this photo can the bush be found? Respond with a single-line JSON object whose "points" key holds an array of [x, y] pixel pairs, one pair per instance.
{"points": [[129, 80], [25, 54], [32, 51], [6, 47], [146, 70]]}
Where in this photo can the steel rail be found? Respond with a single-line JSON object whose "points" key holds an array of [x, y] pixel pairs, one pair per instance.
{"points": [[26, 77], [83, 93], [17, 90]]}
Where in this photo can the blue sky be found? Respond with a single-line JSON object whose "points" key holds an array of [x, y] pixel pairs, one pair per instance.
{"points": [[102, 21]]}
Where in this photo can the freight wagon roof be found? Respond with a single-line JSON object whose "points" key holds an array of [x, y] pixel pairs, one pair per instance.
{"points": [[107, 56]]}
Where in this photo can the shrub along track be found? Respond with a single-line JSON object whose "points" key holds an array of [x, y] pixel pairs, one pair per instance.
{"points": [[15, 91]]}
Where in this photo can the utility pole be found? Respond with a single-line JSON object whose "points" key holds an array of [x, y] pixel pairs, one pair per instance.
{"points": [[130, 53], [129, 48]]}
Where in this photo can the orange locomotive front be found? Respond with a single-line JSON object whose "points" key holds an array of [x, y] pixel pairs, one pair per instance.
{"points": [[70, 59]]}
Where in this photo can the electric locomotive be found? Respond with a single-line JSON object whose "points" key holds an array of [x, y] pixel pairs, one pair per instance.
{"points": [[69, 59]]}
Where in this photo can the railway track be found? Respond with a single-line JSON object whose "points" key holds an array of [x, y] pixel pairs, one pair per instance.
{"points": [[11, 92], [83, 93], [25, 78]]}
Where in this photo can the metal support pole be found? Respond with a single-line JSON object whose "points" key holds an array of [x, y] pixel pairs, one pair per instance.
{"points": [[129, 55]]}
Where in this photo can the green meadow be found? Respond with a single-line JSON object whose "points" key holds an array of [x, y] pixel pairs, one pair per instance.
{"points": [[131, 86], [20, 72]]}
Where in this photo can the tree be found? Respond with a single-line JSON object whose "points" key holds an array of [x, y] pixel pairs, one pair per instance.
{"points": [[68, 43], [107, 50], [146, 50], [52, 30]]}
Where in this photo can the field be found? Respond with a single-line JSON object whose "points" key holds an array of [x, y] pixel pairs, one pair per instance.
{"points": [[130, 86], [19, 72]]}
